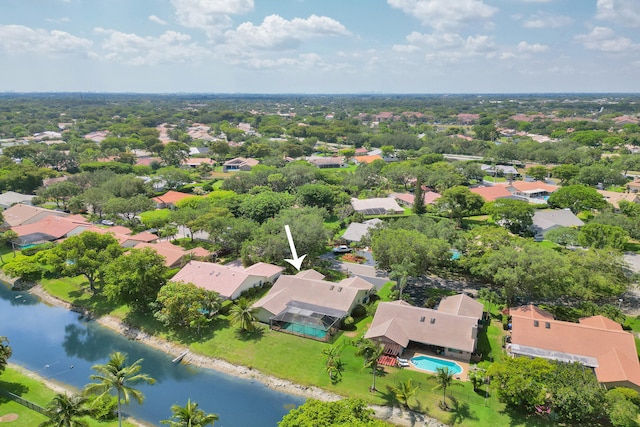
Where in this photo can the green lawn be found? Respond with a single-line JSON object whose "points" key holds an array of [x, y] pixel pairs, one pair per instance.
{"points": [[301, 360], [14, 381]]}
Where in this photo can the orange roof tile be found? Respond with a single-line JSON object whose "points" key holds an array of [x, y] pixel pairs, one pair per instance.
{"points": [[490, 194], [171, 197], [594, 337], [367, 159]]}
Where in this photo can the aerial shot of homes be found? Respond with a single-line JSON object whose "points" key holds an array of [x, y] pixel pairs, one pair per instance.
{"points": [[465, 260]]}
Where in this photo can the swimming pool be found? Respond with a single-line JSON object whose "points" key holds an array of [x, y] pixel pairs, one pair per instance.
{"points": [[431, 364]]}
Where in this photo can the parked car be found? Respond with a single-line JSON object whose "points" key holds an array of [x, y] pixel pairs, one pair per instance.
{"points": [[342, 249], [106, 222]]}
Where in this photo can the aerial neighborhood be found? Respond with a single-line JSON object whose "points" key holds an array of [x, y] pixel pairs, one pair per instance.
{"points": [[487, 248]]}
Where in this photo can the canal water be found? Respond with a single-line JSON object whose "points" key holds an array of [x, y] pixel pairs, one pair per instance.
{"points": [[59, 345]]}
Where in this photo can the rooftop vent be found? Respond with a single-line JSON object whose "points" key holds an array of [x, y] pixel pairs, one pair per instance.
{"points": [[331, 287], [422, 319], [535, 323], [433, 320], [340, 289], [547, 325]]}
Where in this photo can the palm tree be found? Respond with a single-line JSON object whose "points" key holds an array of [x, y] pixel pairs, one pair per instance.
{"points": [[371, 352], [334, 366], [243, 315], [400, 273], [444, 379], [64, 411], [190, 416], [117, 376], [405, 391]]}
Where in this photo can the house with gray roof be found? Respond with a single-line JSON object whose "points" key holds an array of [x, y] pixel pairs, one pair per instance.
{"points": [[357, 230], [548, 219], [309, 306], [451, 330], [377, 206], [10, 198]]}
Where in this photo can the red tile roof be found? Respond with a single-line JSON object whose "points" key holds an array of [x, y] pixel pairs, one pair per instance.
{"points": [[171, 197], [490, 194]]}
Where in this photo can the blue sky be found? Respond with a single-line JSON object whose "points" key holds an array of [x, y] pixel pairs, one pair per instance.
{"points": [[320, 46]]}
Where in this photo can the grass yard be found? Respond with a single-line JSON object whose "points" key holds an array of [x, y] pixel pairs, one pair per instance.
{"points": [[18, 383], [301, 360]]}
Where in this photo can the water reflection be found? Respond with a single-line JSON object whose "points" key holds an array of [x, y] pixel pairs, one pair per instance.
{"points": [[59, 345]]}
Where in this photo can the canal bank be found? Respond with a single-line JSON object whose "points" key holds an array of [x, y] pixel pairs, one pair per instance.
{"points": [[390, 414]]}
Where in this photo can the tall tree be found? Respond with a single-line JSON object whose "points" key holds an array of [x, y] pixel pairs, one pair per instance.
{"points": [[5, 352], [86, 253], [601, 236], [400, 273], [116, 376], [66, 410], [514, 215], [444, 379], [184, 305], [334, 365], [458, 202], [135, 278], [370, 351], [190, 416], [242, 315], [418, 198], [577, 198]]}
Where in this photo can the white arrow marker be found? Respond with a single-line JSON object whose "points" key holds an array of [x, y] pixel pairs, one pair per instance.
{"points": [[296, 262]]}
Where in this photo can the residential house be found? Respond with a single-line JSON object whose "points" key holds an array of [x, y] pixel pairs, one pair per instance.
{"points": [[451, 330], [10, 198], [357, 230], [533, 191], [49, 229], [493, 193], [614, 197], [500, 170], [548, 219], [21, 214], [228, 281], [407, 199], [377, 206], [170, 198], [309, 306], [596, 342], [194, 162], [174, 255], [124, 237], [239, 164], [367, 159], [327, 162], [634, 186]]}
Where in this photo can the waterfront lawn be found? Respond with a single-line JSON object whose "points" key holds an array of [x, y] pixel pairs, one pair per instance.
{"points": [[16, 382], [301, 361]]}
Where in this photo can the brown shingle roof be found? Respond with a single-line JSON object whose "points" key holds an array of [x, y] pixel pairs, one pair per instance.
{"points": [[424, 325]]}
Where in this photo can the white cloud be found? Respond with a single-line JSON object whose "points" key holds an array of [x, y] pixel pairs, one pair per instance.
{"points": [[212, 16], [532, 47], [547, 20], [445, 14], [605, 40], [154, 18], [21, 39], [448, 47], [277, 33], [170, 47], [64, 19], [626, 12]]}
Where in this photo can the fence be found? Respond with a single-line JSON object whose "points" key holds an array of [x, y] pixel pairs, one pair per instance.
{"points": [[25, 402]]}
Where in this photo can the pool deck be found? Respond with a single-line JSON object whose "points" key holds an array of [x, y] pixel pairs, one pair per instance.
{"points": [[408, 354]]}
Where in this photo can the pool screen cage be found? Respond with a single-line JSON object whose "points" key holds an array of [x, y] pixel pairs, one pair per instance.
{"points": [[308, 320]]}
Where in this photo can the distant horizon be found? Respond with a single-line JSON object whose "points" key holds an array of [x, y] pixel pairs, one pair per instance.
{"points": [[320, 47], [318, 93]]}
